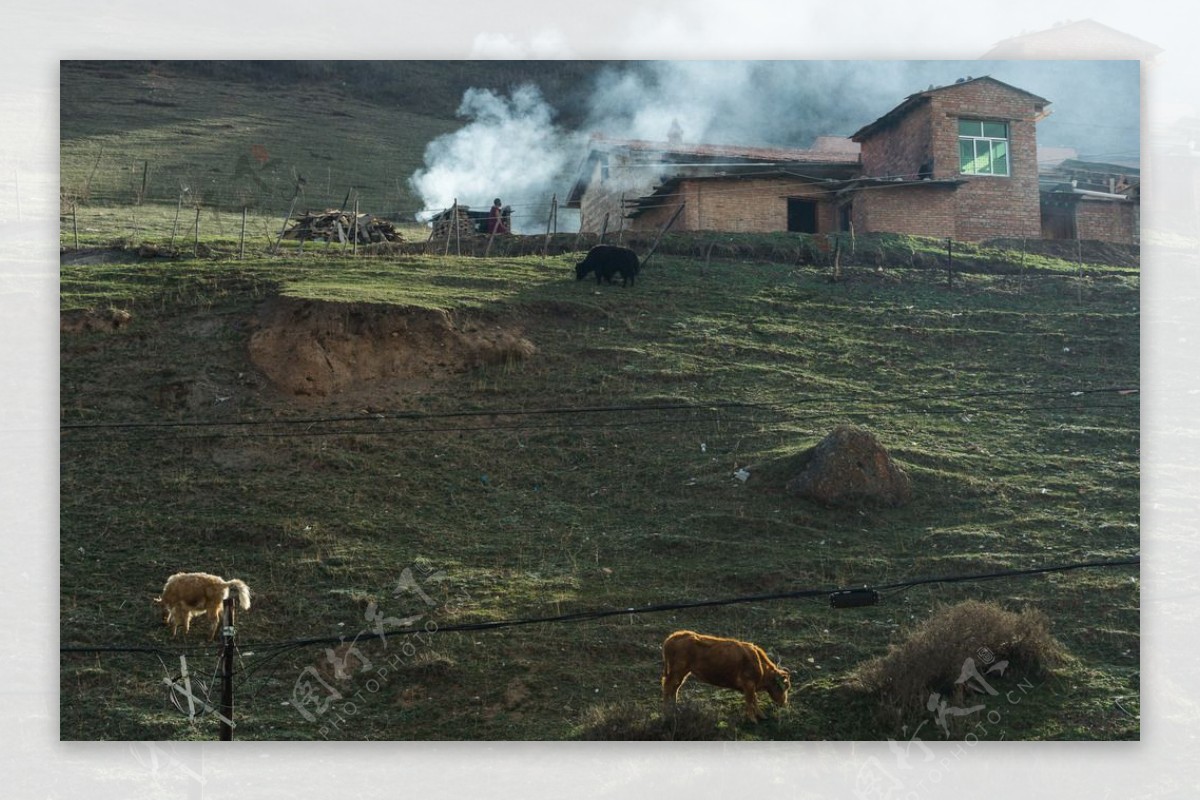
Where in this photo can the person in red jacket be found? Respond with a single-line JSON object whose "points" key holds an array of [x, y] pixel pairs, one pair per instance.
{"points": [[496, 222]]}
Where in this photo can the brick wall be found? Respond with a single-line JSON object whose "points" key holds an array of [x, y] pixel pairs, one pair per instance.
{"points": [[902, 149], [910, 209], [1107, 221], [732, 204], [988, 205], [985, 206], [754, 205], [603, 195], [981, 207]]}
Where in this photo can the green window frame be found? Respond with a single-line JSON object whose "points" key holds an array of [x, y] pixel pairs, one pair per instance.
{"points": [[983, 147]]}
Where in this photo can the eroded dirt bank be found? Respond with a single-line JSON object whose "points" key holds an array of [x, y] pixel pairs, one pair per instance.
{"points": [[319, 348]]}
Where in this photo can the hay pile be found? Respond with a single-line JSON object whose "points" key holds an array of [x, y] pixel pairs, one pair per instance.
{"points": [[934, 656]]}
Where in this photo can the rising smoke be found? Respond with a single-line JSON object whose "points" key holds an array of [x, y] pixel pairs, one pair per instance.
{"points": [[512, 147]]}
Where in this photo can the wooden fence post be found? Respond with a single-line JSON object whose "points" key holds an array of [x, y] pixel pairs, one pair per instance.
{"points": [[196, 241], [453, 222], [1078, 270], [662, 231], [621, 222], [579, 233], [549, 220], [493, 225], [175, 227], [354, 239], [75, 222], [242, 240], [949, 263], [287, 219], [837, 257], [1023, 265]]}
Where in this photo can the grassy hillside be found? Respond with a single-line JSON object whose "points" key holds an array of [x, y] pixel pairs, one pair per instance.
{"points": [[471, 493], [232, 135], [413, 438]]}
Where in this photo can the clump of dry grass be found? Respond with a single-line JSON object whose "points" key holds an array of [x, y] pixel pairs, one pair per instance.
{"points": [[933, 656], [628, 720]]}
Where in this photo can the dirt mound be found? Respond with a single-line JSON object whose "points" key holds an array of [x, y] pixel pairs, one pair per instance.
{"points": [[317, 348], [88, 320], [849, 466]]}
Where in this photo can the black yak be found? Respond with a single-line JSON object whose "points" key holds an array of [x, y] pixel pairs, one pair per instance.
{"points": [[607, 261]]}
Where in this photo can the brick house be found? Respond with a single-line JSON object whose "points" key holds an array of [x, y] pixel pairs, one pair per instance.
{"points": [[639, 185], [957, 161], [1091, 200]]}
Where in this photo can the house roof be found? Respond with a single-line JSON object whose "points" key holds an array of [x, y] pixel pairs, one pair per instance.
{"points": [[699, 153], [1100, 167], [833, 174], [700, 160], [1091, 180], [919, 98]]}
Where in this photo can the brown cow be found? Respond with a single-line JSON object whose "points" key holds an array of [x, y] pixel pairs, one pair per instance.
{"points": [[722, 662], [188, 594]]}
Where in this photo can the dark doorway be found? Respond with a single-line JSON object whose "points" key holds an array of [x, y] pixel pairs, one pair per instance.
{"points": [[802, 215], [1058, 221], [846, 217]]}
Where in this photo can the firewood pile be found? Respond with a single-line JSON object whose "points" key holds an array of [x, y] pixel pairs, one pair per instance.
{"points": [[466, 221], [335, 225]]}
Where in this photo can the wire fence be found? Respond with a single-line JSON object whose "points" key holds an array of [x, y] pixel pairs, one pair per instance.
{"points": [[877, 591], [179, 211], [757, 415], [251, 671]]}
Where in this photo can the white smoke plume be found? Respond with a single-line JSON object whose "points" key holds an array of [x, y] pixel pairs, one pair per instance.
{"points": [[510, 148]]}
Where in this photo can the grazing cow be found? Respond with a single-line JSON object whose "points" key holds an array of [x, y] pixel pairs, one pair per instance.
{"points": [[607, 261], [722, 662], [188, 594]]}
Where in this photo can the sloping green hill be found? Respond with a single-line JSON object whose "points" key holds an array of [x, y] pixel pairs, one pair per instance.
{"points": [[234, 134], [249, 420]]}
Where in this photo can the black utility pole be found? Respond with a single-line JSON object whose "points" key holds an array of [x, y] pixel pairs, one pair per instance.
{"points": [[227, 671]]}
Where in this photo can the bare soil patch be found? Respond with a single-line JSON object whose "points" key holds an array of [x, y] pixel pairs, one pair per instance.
{"points": [[82, 321], [320, 348]]}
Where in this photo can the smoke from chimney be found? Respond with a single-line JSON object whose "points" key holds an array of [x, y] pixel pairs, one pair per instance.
{"points": [[512, 147]]}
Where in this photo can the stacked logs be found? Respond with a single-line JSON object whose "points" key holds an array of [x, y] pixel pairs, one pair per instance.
{"points": [[466, 221], [335, 225]]}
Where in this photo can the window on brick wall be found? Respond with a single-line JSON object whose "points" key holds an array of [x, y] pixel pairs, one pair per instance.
{"points": [[801, 215], [982, 147]]}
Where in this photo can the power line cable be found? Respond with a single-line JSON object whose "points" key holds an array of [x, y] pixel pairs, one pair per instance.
{"points": [[397, 415], [599, 614]]}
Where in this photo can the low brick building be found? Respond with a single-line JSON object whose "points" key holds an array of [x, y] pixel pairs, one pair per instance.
{"points": [[957, 161], [639, 185], [1091, 200]]}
